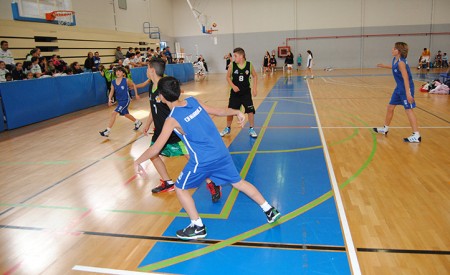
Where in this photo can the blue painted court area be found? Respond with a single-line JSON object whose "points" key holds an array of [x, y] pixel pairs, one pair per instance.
{"points": [[289, 169]]}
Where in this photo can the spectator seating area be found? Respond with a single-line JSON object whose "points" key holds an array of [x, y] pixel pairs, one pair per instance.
{"points": [[27, 102]]}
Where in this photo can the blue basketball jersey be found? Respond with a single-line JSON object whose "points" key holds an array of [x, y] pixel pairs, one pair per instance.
{"points": [[121, 90], [201, 137], [399, 78]]}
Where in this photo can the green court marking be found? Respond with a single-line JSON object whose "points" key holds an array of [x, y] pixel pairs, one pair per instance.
{"points": [[237, 238], [226, 210]]}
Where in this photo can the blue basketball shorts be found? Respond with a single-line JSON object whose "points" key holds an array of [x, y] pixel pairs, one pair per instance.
{"points": [[122, 107], [222, 171], [399, 98]]}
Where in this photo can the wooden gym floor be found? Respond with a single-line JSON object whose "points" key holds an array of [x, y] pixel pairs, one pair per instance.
{"points": [[69, 197]]}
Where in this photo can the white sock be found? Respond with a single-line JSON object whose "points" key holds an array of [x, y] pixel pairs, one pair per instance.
{"points": [[386, 127], [416, 134], [197, 222], [137, 121], [265, 206], [169, 182], [108, 129]]}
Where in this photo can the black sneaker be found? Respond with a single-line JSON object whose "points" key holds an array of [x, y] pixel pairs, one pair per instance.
{"points": [[192, 232], [272, 215], [104, 133], [163, 187], [216, 191]]}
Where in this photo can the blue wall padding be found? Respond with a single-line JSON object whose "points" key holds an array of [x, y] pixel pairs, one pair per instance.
{"points": [[30, 101]]}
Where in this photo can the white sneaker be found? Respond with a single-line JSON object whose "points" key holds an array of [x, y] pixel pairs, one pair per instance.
{"points": [[381, 130], [413, 139], [104, 133], [225, 131], [137, 125], [252, 133]]}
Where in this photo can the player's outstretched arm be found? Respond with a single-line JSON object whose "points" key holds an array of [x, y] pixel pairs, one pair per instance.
{"points": [[154, 150], [224, 112], [384, 66]]}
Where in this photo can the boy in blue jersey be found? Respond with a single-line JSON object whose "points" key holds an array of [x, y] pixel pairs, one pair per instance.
{"points": [[210, 157], [403, 93], [159, 112], [119, 87], [238, 76]]}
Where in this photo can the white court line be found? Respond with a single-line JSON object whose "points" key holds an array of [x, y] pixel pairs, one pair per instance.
{"points": [[110, 271], [390, 127], [354, 264]]}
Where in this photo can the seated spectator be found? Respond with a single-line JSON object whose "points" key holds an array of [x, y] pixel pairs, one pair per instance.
{"points": [[50, 67], [424, 59], [6, 55], [438, 60], [18, 73], [445, 61], [43, 64], [3, 71], [119, 55], [34, 52], [97, 61], [168, 54], [35, 68], [27, 67], [8, 77], [68, 71], [89, 62], [129, 61], [76, 68], [129, 52], [30, 75]]}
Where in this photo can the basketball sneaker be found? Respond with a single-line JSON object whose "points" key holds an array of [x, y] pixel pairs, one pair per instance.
{"points": [[225, 131], [192, 232], [381, 130], [104, 133], [252, 133], [163, 187], [137, 125], [272, 215], [413, 139], [216, 191]]}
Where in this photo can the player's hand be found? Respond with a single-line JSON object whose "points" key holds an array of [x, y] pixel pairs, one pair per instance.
{"points": [[137, 96], [410, 98], [380, 65], [146, 130], [139, 170], [254, 92], [109, 103], [235, 88], [241, 119]]}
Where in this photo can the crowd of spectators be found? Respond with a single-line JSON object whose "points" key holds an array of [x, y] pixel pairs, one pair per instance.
{"points": [[37, 66]]}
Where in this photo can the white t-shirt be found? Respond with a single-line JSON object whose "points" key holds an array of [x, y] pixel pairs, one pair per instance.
{"points": [[126, 62], [36, 69], [7, 57], [310, 61], [3, 72]]}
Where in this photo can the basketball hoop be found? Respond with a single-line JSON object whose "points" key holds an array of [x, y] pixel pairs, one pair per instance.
{"points": [[63, 17]]}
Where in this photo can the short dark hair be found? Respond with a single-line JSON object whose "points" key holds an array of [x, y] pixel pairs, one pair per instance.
{"points": [[239, 51], [159, 65], [169, 87], [34, 58], [3, 42]]}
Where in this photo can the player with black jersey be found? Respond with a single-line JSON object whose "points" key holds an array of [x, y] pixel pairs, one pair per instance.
{"points": [[238, 76]]}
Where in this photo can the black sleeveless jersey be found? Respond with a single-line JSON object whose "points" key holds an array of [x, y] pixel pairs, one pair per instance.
{"points": [[241, 77], [160, 112]]}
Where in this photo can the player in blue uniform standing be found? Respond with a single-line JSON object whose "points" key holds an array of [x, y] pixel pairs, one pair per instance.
{"points": [[238, 76], [210, 157], [119, 87], [403, 93]]}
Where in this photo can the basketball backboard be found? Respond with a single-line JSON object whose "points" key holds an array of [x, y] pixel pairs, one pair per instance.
{"points": [[36, 10]]}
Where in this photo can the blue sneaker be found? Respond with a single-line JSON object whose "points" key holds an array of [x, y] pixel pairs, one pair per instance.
{"points": [[252, 133], [225, 131]]}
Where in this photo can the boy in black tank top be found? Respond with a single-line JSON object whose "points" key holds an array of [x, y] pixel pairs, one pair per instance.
{"points": [[159, 112], [238, 76]]}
